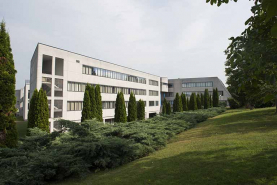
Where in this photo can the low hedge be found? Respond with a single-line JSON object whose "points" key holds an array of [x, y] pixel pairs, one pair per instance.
{"points": [[82, 148]]}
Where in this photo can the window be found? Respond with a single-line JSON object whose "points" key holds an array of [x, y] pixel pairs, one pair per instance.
{"points": [[47, 64], [111, 74], [74, 106], [169, 94], [170, 85], [151, 103], [59, 66], [197, 84], [47, 85], [153, 82], [108, 104], [153, 93], [58, 88], [156, 103], [58, 108]]}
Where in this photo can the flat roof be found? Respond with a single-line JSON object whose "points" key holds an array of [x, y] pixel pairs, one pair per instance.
{"points": [[96, 59]]}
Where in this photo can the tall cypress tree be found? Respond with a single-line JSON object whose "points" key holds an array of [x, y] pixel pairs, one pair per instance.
{"points": [[32, 110], [206, 99], [8, 132], [86, 112], [164, 107], [168, 108], [216, 98], [184, 102], [132, 108], [43, 111], [92, 101], [193, 102], [141, 110], [120, 109], [202, 100], [188, 103], [98, 101], [198, 99], [211, 101], [177, 104]]}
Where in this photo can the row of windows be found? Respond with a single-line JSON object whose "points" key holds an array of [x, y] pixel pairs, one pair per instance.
{"points": [[153, 93], [111, 104], [80, 87], [74, 106], [112, 74], [169, 94], [153, 82], [187, 93], [153, 103], [197, 84]]}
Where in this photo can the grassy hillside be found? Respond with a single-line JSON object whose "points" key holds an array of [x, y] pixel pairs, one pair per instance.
{"points": [[237, 147]]}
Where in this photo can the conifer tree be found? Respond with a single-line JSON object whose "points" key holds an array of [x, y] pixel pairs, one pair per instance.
{"points": [[120, 109], [206, 99], [168, 108], [188, 100], [86, 112], [98, 101], [193, 102], [132, 108], [198, 100], [32, 110], [141, 110], [177, 104], [42, 120], [202, 100], [184, 102], [92, 101], [216, 98], [164, 106], [211, 101], [8, 131]]}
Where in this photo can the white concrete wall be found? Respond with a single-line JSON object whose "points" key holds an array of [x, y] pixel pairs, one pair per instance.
{"points": [[26, 101], [73, 72]]}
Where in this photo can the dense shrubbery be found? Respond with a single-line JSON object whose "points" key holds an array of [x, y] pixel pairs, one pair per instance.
{"points": [[43, 157], [234, 104]]}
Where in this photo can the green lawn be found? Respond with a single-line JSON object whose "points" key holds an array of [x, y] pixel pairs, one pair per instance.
{"points": [[21, 128], [237, 147]]}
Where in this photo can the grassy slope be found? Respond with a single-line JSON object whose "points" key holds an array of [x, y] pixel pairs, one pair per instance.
{"points": [[238, 147]]}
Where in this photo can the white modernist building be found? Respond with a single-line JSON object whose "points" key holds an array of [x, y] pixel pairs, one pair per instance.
{"points": [[64, 74], [22, 100]]}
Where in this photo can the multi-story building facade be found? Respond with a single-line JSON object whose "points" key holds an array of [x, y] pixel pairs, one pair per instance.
{"points": [[22, 100], [64, 74], [195, 85]]}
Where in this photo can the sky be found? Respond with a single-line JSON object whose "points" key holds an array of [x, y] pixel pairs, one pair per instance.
{"points": [[174, 39]]}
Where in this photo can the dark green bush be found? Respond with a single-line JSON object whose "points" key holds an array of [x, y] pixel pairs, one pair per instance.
{"points": [[91, 145], [234, 104]]}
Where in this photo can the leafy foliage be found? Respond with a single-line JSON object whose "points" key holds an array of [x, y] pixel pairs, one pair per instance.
{"points": [[120, 109], [168, 108], [132, 108], [198, 100], [42, 111], [32, 114], [234, 104], [215, 98], [164, 106], [141, 110], [89, 146]]}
